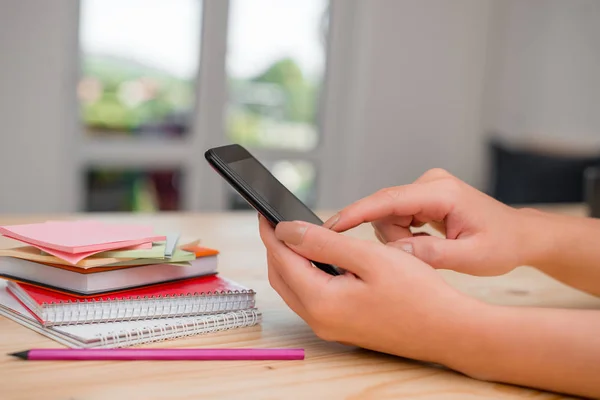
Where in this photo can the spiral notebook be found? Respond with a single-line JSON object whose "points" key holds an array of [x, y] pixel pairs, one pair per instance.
{"points": [[126, 334], [195, 296]]}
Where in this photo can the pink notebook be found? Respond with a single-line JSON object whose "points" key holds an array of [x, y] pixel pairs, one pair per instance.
{"points": [[75, 240]]}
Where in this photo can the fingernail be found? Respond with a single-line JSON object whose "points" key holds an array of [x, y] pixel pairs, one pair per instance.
{"points": [[290, 232], [330, 223], [407, 247]]}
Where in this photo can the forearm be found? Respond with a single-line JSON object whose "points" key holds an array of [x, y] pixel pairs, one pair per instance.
{"points": [[566, 248], [551, 349]]}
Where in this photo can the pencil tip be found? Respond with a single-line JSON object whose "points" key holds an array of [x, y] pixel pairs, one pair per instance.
{"points": [[20, 354]]}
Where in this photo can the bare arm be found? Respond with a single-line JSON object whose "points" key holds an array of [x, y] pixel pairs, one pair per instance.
{"points": [[551, 349], [566, 248]]}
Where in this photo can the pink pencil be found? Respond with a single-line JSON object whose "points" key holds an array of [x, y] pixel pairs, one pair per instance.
{"points": [[161, 354]]}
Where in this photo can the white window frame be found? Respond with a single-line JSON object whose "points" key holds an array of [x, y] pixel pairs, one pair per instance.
{"points": [[202, 189]]}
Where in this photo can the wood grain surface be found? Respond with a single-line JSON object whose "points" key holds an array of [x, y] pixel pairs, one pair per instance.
{"points": [[330, 370]]}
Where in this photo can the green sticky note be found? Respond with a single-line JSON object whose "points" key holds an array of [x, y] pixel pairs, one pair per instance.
{"points": [[178, 256], [157, 251]]}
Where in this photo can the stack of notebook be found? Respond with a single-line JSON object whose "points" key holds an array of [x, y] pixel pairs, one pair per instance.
{"points": [[93, 284]]}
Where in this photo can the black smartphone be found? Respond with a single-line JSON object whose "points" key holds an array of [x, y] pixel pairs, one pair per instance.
{"points": [[255, 183]]}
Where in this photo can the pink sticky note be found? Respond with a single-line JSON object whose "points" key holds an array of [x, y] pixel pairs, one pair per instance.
{"points": [[75, 258], [75, 237]]}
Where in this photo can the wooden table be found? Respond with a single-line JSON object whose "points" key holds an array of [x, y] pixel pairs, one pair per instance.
{"points": [[330, 370]]}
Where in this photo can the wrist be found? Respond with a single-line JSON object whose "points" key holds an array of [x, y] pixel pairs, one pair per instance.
{"points": [[464, 323], [538, 237], [473, 340]]}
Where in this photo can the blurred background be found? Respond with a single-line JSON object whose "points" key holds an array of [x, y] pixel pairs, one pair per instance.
{"points": [[109, 105]]}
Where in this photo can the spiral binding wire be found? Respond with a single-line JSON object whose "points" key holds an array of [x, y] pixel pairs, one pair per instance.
{"points": [[172, 329], [70, 313]]}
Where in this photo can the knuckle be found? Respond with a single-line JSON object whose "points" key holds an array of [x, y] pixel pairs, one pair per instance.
{"points": [[390, 193], [439, 172], [435, 173], [451, 189]]}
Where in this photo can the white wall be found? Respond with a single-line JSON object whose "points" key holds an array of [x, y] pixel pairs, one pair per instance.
{"points": [[35, 105], [544, 79], [419, 87]]}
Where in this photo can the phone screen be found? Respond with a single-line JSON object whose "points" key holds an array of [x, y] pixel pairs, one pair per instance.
{"points": [[274, 193], [262, 190]]}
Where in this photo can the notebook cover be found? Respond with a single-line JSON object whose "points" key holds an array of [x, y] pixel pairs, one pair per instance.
{"points": [[201, 286], [34, 315]]}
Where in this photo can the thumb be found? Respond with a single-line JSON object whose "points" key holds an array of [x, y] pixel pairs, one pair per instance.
{"points": [[323, 245], [454, 254]]}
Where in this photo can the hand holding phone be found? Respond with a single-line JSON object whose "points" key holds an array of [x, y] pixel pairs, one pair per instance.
{"points": [[255, 183]]}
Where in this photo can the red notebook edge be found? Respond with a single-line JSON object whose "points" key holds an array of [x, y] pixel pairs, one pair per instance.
{"points": [[210, 285], [33, 314], [80, 295]]}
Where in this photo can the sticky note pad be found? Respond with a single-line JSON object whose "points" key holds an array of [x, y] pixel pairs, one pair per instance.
{"points": [[76, 240], [81, 236]]}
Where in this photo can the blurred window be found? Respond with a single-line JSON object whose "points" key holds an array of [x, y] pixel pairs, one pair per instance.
{"points": [[139, 64], [276, 66], [139, 67]]}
